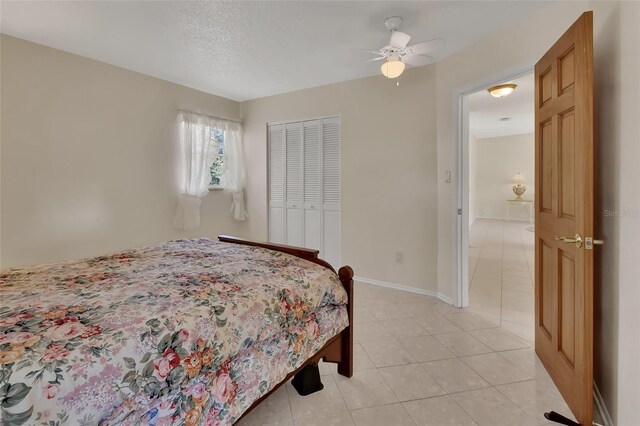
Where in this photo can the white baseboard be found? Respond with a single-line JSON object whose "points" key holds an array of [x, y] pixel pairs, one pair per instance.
{"points": [[602, 409], [445, 299], [401, 287]]}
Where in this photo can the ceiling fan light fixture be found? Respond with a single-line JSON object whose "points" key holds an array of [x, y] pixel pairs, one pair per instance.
{"points": [[392, 68], [502, 90]]}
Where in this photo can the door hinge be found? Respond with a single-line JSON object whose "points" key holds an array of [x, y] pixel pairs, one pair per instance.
{"points": [[459, 211], [589, 242]]}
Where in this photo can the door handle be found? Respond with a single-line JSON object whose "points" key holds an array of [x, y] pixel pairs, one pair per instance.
{"points": [[577, 240]]}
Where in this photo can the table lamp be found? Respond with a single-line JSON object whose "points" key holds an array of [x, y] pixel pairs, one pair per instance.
{"points": [[518, 188]]}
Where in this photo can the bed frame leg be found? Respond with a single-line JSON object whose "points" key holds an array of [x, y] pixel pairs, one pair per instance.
{"points": [[345, 366], [307, 381]]}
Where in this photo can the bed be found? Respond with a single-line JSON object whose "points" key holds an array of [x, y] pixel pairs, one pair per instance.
{"points": [[193, 331]]}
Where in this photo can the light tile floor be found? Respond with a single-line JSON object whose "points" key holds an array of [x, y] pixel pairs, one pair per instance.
{"points": [[501, 263], [419, 361]]}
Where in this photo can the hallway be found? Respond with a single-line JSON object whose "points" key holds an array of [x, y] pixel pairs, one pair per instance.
{"points": [[501, 273]]}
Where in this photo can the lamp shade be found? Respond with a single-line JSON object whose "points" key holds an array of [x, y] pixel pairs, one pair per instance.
{"points": [[392, 68], [518, 179]]}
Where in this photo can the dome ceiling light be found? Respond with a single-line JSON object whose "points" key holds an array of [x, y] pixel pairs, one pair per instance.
{"points": [[392, 68], [502, 90]]}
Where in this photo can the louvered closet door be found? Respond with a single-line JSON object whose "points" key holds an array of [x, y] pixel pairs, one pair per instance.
{"points": [[276, 148], [313, 185], [331, 189], [294, 184]]}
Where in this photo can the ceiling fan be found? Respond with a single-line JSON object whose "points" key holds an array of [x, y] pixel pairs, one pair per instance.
{"points": [[397, 54]]}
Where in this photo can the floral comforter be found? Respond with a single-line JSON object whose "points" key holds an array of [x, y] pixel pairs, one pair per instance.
{"points": [[187, 332]]}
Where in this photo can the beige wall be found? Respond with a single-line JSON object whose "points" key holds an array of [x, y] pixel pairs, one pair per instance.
{"points": [[616, 60], [388, 170], [89, 156], [617, 71], [492, 164]]}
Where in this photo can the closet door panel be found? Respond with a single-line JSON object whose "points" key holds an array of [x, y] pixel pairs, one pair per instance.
{"points": [[313, 184], [294, 227], [276, 185], [331, 163], [312, 163], [313, 230], [276, 225], [294, 177], [332, 237], [294, 184], [331, 189]]}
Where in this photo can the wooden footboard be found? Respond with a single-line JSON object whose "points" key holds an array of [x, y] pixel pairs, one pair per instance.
{"points": [[338, 349]]}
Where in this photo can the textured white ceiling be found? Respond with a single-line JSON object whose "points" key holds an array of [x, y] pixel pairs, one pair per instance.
{"points": [[246, 50], [485, 111]]}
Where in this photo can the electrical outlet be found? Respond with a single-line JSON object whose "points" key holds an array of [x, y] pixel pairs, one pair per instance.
{"points": [[399, 257]]}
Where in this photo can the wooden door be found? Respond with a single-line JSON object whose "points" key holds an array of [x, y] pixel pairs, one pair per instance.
{"points": [[564, 209]]}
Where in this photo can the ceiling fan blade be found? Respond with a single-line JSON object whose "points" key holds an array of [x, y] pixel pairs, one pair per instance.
{"points": [[426, 47], [399, 40], [417, 60], [377, 59], [366, 52]]}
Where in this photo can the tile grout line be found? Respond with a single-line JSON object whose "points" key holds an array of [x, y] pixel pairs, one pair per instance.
{"points": [[521, 233], [479, 257], [522, 243], [502, 275], [446, 393], [484, 239], [492, 385]]}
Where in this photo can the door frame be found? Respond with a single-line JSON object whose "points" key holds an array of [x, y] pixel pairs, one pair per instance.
{"points": [[461, 94]]}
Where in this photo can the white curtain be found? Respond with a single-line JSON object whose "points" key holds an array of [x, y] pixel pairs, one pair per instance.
{"points": [[195, 143], [234, 170]]}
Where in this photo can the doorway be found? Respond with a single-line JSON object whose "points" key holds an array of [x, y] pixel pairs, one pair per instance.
{"points": [[564, 211], [500, 164]]}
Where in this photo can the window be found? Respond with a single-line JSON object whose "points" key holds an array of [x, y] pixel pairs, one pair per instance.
{"points": [[217, 158]]}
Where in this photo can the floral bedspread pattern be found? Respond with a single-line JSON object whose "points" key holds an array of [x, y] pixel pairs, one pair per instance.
{"points": [[187, 332]]}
